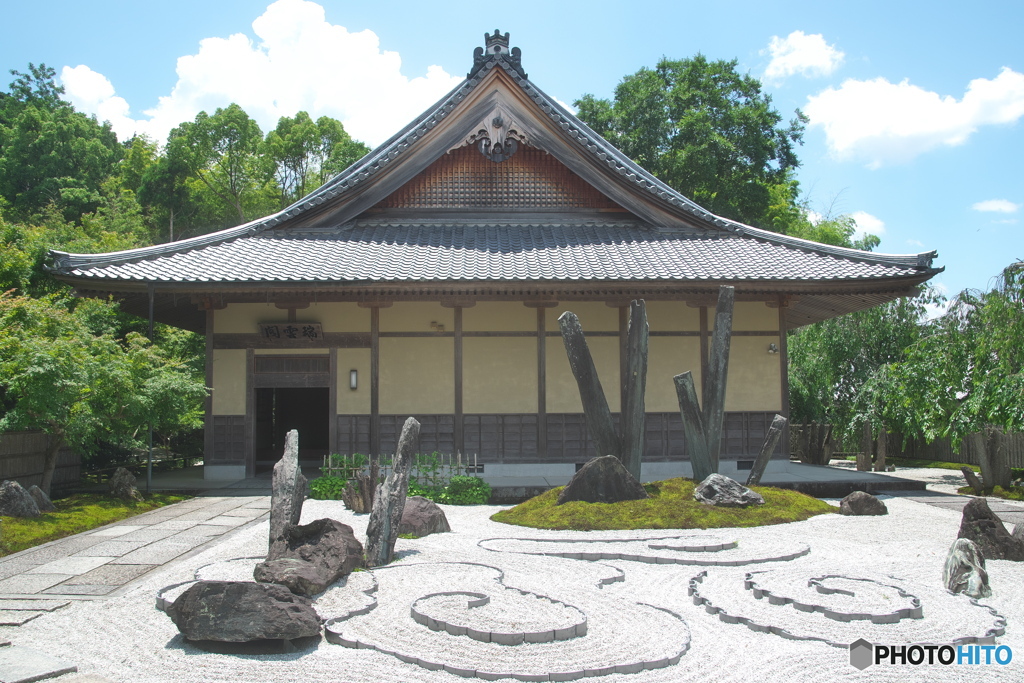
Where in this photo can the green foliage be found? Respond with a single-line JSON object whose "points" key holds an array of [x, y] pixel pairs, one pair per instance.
{"points": [[934, 464], [74, 515], [706, 130], [327, 488], [463, 490], [671, 506], [830, 361], [1012, 493], [963, 373]]}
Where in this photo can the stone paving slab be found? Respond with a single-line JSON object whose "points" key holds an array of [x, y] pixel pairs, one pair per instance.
{"points": [[110, 575], [147, 535], [110, 549], [117, 530], [30, 583], [35, 605], [175, 524], [86, 678], [15, 566], [80, 589], [22, 665], [18, 617], [156, 553], [71, 565]]}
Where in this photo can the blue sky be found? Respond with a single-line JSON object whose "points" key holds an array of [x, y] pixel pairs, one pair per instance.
{"points": [[916, 108]]}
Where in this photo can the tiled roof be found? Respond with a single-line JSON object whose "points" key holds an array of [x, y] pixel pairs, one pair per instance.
{"points": [[390, 251]]}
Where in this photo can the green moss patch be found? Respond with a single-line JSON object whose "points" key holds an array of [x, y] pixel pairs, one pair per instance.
{"points": [[671, 506], [74, 515], [1012, 493], [934, 464]]}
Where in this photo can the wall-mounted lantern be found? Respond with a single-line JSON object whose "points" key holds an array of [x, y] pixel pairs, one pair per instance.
{"points": [[772, 349], [353, 379]]}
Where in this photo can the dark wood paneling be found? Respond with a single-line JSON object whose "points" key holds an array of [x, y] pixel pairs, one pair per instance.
{"points": [[293, 381], [353, 434], [229, 439], [341, 340], [208, 416], [292, 365], [460, 445], [542, 384], [375, 445], [332, 404]]}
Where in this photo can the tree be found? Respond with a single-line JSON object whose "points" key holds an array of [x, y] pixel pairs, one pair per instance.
{"points": [[965, 373], [79, 386], [222, 152], [50, 153], [707, 131], [830, 361]]}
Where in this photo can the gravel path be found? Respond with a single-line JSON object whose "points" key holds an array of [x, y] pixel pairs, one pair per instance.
{"points": [[760, 620]]}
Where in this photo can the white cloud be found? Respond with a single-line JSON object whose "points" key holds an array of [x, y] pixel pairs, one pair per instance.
{"points": [[916, 243], [996, 205], [882, 122], [799, 53], [300, 62], [867, 224]]}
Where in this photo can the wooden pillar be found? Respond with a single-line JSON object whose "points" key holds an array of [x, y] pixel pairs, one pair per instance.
{"points": [[784, 376], [250, 412], [542, 391], [332, 403], [374, 380], [703, 351], [208, 417], [623, 359], [459, 421]]}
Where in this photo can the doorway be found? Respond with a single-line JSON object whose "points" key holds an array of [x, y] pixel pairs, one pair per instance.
{"points": [[278, 411]]}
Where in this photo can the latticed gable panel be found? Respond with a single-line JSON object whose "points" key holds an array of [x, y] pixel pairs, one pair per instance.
{"points": [[466, 179]]}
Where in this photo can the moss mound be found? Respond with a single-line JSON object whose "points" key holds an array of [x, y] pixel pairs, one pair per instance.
{"points": [[671, 506], [1012, 493]]}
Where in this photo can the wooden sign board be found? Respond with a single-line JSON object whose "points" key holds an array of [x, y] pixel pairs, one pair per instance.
{"points": [[292, 332]]}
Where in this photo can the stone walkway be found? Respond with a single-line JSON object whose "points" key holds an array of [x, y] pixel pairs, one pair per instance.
{"points": [[99, 564]]}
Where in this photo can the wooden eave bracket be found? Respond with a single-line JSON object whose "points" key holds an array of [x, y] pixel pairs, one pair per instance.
{"points": [[210, 303]]}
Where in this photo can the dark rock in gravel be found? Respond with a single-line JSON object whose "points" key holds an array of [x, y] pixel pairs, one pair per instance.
{"points": [[602, 480], [389, 501], [981, 525], [42, 500], [238, 612], [717, 489], [861, 503], [422, 517], [122, 486], [15, 501], [965, 570], [309, 558]]}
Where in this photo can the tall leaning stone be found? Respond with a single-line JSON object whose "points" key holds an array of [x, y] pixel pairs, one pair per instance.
{"points": [[288, 489], [389, 501]]}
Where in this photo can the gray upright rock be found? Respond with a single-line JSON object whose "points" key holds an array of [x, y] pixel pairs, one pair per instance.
{"points": [[718, 489], [288, 488], [239, 612], [861, 503], [389, 502], [965, 570], [15, 501], [308, 558], [982, 526], [422, 517], [602, 480], [122, 486], [42, 500]]}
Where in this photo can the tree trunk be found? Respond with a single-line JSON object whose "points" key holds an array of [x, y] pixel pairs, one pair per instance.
{"points": [[996, 447], [976, 443], [595, 405], [633, 416], [54, 443], [882, 447], [693, 427], [718, 370], [866, 443]]}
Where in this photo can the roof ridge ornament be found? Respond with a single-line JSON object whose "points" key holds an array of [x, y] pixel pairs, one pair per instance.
{"points": [[496, 48]]}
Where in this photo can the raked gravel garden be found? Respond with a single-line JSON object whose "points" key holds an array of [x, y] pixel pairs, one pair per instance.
{"points": [[502, 602]]}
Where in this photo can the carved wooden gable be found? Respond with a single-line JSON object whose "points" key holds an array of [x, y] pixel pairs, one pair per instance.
{"points": [[529, 179]]}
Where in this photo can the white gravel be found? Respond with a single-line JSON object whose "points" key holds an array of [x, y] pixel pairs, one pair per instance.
{"points": [[635, 610]]}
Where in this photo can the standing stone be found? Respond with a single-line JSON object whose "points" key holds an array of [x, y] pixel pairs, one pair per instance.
{"points": [[717, 489], [771, 439], [972, 480], [422, 517], [602, 480], [965, 570], [239, 612], [42, 500], [861, 503], [15, 501], [389, 501], [308, 558], [981, 525], [122, 486], [1018, 531], [288, 488]]}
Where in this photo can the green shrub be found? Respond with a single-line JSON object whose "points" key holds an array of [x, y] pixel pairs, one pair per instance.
{"points": [[463, 490], [327, 488]]}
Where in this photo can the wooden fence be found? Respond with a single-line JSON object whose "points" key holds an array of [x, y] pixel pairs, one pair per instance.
{"points": [[22, 455]]}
